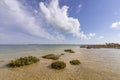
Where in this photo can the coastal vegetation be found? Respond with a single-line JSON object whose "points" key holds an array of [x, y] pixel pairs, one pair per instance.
{"points": [[62, 54], [69, 50], [58, 65], [51, 56], [75, 62], [23, 61], [107, 45]]}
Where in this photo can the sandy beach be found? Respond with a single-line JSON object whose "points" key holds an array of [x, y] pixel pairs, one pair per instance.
{"points": [[59, 39], [43, 71]]}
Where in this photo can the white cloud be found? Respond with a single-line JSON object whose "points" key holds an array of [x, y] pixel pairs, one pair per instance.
{"points": [[59, 36], [92, 34], [101, 37], [18, 16], [79, 6], [19, 38], [115, 25], [35, 11], [59, 18]]}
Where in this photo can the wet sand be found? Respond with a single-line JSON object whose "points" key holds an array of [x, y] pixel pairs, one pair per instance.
{"points": [[43, 71]]}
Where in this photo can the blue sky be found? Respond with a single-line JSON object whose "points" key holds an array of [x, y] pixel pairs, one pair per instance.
{"points": [[59, 21]]}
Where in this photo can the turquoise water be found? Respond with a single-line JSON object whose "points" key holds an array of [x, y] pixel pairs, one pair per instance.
{"points": [[18, 49], [8, 52]]}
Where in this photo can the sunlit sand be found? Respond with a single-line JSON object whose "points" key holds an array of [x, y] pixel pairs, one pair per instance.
{"points": [[43, 71]]}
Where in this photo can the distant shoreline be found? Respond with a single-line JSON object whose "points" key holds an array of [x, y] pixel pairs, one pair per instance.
{"points": [[107, 45]]}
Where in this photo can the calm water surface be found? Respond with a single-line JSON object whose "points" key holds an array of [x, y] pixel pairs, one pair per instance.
{"points": [[97, 64]]}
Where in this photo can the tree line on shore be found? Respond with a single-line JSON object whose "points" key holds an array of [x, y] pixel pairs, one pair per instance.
{"points": [[106, 45]]}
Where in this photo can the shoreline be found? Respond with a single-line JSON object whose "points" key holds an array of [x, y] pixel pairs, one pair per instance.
{"points": [[92, 67], [98, 46]]}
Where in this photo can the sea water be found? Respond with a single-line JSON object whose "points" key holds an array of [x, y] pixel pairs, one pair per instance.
{"points": [[96, 64]]}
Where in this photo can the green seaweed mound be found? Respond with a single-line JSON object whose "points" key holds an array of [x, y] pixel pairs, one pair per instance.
{"points": [[58, 65], [75, 62], [23, 61], [69, 50], [51, 56], [62, 54]]}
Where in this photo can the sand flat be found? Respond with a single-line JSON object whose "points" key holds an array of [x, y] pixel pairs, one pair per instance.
{"points": [[43, 71]]}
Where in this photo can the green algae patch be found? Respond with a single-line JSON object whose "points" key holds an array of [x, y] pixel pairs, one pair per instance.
{"points": [[23, 61], [58, 65], [75, 62], [51, 56], [69, 50]]}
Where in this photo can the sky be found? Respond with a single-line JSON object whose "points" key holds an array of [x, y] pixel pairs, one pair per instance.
{"points": [[59, 21]]}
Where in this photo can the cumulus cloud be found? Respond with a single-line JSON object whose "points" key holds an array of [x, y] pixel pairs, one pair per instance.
{"points": [[115, 25], [101, 37], [16, 19], [16, 16], [58, 17], [91, 35]]}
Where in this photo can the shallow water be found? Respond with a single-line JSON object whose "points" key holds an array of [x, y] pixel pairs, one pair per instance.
{"points": [[97, 64]]}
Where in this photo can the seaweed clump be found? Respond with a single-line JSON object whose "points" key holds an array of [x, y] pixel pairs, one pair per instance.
{"points": [[23, 61], [51, 56], [58, 65], [69, 50], [75, 62], [62, 54]]}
